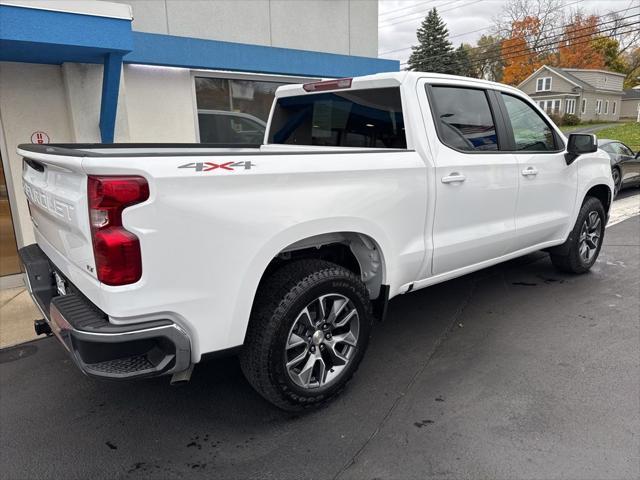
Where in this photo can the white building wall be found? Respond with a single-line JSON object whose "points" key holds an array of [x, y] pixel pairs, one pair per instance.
{"points": [[32, 98], [348, 27], [83, 89], [160, 104]]}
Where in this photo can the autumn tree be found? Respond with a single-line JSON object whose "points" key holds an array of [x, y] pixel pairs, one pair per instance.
{"points": [[576, 48], [434, 52], [520, 59], [548, 15]]}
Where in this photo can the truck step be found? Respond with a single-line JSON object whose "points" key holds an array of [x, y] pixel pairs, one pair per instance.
{"points": [[122, 366]]}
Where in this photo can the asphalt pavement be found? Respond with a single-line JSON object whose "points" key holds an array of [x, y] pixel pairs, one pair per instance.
{"points": [[516, 371]]}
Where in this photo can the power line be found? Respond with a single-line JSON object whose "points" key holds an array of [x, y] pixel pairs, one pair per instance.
{"points": [[440, 11], [547, 47], [486, 28], [408, 7], [563, 28], [553, 45]]}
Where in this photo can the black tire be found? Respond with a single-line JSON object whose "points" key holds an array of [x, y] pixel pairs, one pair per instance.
{"points": [[278, 304], [568, 257], [617, 180]]}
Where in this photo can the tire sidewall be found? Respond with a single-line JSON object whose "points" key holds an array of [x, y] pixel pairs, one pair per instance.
{"points": [[343, 285], [592, 205]]}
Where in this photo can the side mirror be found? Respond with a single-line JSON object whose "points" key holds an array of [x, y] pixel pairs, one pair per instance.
{"points": [[578, 144]]}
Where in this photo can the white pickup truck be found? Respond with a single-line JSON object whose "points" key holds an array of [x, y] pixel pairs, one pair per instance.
{"points": [[150, 258]]}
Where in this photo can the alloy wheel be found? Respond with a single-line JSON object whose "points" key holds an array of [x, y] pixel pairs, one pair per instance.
{"points": [[590, 235], [322, 341]]}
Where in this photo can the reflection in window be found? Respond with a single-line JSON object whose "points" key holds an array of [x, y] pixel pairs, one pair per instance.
{"points": [[530, 131], [352, 118], [465, 118], [233, 111]]}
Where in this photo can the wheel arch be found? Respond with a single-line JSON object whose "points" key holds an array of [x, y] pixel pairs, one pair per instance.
{"points": [[602, 192], [363, 239]]}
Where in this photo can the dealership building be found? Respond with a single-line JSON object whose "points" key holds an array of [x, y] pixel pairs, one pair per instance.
{"points": [[159, 71]]}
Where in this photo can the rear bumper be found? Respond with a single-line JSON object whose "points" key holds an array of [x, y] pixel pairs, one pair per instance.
{"points": [[98, 347]]}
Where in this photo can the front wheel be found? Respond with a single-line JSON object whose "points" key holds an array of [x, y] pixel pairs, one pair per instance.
{"points": [[580, 251], [308, 332]]}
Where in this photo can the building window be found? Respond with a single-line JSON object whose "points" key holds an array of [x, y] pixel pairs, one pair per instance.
{"points": [[233, 111], [543, 84], [613, 108], [606, 107], [552, 107], [570, 106], [584, 106], [598, 106]]}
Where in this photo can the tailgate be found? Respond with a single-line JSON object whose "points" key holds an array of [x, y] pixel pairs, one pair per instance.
{"points": [[56, 189]]}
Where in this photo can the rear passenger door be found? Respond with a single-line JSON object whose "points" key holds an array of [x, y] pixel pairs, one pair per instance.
{"points": [[476, 183], [547, 185]]}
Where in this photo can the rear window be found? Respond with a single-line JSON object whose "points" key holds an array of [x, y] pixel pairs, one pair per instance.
{"points": [[355, 118]]}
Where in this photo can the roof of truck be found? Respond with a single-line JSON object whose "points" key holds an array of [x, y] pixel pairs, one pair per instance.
{"points": [[391, 79]]}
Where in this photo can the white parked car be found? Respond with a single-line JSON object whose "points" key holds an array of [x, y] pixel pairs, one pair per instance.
{"points": [[151, 258]]}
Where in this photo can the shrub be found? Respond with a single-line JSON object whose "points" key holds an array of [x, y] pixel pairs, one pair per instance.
{"points": [[557, 119], [569, 119]]}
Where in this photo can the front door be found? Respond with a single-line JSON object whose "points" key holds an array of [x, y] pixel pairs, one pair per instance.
{"points": [[476, 184], [548, 186]]}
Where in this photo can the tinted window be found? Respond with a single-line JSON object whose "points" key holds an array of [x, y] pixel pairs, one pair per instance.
{"points": [[623, 149], [353, 118], [464, 117], [608, 147], [530, 131]]}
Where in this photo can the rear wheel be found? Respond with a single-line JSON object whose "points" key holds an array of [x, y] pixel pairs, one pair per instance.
{"points": [[308, 332], [580, 251]]}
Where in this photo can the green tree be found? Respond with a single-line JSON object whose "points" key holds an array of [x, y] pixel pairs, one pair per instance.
{"points": [[610, 49], [487, 58], [464, 66], [434, 52]]}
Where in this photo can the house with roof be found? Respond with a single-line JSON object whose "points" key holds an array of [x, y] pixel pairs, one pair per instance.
{"points": [[630, 104], [588, 94]]}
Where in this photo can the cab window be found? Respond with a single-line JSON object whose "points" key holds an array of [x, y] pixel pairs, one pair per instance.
{"points": [[530, 131], [464, 119]]}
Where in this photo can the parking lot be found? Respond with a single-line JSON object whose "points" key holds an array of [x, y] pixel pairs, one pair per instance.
{"points": [[516, 371]]}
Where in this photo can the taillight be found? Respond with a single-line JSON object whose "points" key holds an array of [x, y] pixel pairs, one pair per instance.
{"points": [[324, 85], [116, 250]]}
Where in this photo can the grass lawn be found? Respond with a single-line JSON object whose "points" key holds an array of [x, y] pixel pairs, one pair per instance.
{"points": [[571, 128], [627, 133]]}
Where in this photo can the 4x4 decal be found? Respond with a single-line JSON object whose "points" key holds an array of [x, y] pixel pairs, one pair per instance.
{"points": [[209, 166]]}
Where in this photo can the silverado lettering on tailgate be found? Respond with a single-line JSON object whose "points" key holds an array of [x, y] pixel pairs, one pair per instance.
{"points": [[48, 202]]}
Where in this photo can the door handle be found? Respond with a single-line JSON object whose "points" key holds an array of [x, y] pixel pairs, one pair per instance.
{"points": [[454, 177], [529, 171]]}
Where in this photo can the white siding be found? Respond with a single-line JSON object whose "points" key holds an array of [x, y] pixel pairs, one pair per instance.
{"points": [[600, 80]]}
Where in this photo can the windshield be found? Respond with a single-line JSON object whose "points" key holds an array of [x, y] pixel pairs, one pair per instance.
{"points": [[354, 118]]}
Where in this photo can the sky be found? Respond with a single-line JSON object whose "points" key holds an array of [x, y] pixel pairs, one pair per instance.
{"points": [[398, 20]]}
